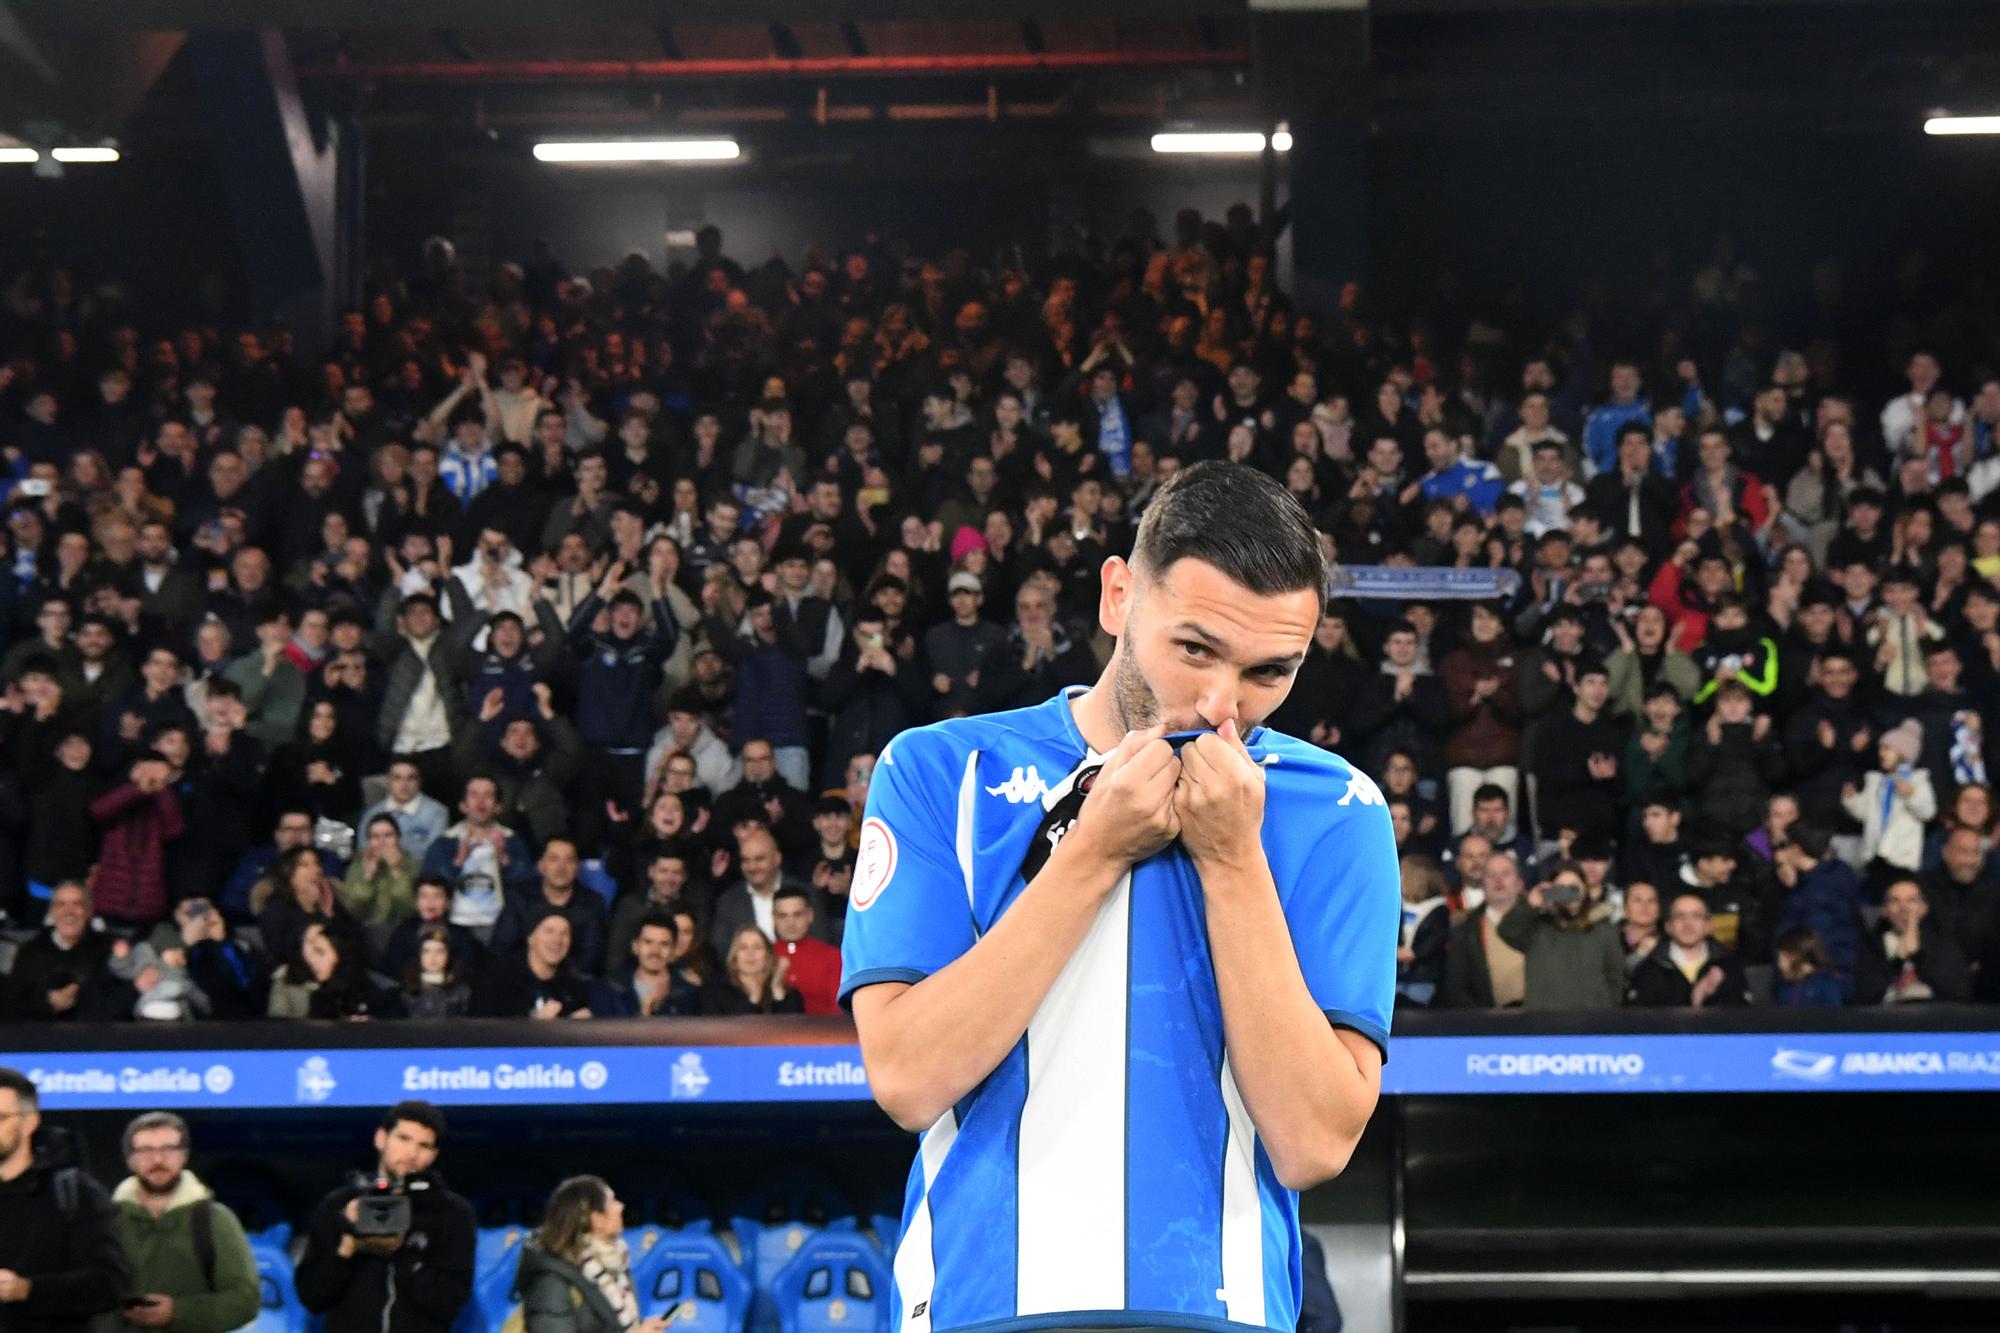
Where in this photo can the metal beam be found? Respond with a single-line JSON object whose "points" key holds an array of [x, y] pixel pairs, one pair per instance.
{"points": [[619, 71], [484, 14]]}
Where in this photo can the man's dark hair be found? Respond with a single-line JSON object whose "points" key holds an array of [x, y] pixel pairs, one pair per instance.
{"points": [[14, 1081], [1644, 432], [792, 891], [1234, 518], [1812, 839], [417, 1113], [659, 920], [1491, 791]]}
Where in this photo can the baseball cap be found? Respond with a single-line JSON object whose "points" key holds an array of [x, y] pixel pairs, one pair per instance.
{"points": [[965, 581]]}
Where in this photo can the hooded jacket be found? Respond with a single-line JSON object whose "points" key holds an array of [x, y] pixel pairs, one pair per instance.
{"points": [[166, 1259], [421, 1288]]}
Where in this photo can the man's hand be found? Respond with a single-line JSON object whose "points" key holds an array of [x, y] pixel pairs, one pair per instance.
{"points": [[1707, 985], [13, 1287], [492, 705], [1129, 813], [63, 998], [1219, 799], [1825, 734], [157, 1312]]}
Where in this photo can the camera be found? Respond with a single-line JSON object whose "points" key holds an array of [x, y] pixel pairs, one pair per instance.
{"points": [[382, 1208], [1594, 592]]}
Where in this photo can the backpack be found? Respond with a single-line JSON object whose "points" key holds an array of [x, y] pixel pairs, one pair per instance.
{"points": [[67, 1183]]}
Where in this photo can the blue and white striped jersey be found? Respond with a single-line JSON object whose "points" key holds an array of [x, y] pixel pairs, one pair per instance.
{"points": [[1106, 1172]]}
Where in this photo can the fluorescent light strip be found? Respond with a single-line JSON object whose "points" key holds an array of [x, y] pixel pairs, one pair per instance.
{"points": [[84, 154], [1214, 141], [641, 150], [1962, 125], [22, 156]]}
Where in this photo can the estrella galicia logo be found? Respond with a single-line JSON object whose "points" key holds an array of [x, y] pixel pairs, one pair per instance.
{"points": [[218, 1079], [1808, 1066], [316, 1081], [592, 1074], [1024, 787], [688, 1079]]}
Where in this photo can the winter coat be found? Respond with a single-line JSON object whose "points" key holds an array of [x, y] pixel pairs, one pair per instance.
{"points": [[1828, 899], [1486, 733], [557, 1297], [1898, 839], [421, 1288], [166, 1259], [615, 680], [1573, 965], [1731, 778], [1657, 983], [131, 865]]}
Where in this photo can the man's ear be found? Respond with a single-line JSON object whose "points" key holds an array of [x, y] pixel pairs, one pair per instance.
{"points": [[1114, 603]]}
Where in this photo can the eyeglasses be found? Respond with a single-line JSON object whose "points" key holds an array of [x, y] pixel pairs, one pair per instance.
{"points": [[173, 1150]]}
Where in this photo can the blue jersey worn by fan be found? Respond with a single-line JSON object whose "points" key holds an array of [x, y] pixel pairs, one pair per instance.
{"points": [[1106, 1173]]}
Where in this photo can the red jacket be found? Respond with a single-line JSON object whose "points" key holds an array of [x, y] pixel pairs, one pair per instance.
{"points": [[815, 973], [131, 882]]}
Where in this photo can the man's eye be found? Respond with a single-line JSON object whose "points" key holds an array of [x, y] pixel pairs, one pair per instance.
{"points": [[1194, 650]]}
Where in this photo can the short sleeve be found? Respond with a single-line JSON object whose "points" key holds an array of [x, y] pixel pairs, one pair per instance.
{"points": [[908, 912], [1344, 914]]}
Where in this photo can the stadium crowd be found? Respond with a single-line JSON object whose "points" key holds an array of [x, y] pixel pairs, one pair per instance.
{"points": [[525, 652]]}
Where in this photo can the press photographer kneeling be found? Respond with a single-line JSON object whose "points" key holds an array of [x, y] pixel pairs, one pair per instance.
{"points": [[391, 1252]]}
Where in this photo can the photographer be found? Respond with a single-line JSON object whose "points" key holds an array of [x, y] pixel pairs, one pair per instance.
{"points": [[1574, 959], [61, 1261], [391, 1254]]}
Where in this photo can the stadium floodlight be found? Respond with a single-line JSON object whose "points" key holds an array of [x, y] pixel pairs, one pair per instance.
{"points": [[84, 154], [1962, 125], [20, 156], [1214, 142], [641, 150]]}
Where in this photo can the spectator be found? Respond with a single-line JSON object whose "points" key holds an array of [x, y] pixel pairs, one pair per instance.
{"points": [[812, 966], [1037, 659], [1570, 947], [191, 1265], [413, 1282], [1639, 924], [435, 985], [1577, 756], [539, 982], [138, 818], [620, 666], [1688, 969], [249, 888], [433, 909], [483, 860], [1892, 805], [652, 982], [575, 1272], [753, 980], [423, 703], [1482, 695], [381, 884], [752, 901], [667, 888], [1420, 952], [1482, 970], [62, 1262], [959, 649], [1733, 761], [1903, 959], [304, 897], [1402, 707], [1823, 896], [559, 892], [60, 973], [1807, 977]]}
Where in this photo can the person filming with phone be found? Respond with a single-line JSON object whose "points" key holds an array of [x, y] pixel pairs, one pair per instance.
{"points": [[391, 1252]]}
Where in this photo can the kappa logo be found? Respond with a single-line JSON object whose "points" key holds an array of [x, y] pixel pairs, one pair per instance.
{"points": [[1025, 787], [1362, 788]]}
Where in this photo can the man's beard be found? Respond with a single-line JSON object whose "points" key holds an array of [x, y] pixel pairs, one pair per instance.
{"points": [[148, 1187], [1131, 694]]}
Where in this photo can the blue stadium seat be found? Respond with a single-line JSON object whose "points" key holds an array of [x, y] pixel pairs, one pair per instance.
{"points": [[493, 1243], [691, 1273], [838, 1282], [279, 1310], [495, 1262], [278, 1236], [593, 876], [888, 1231]]}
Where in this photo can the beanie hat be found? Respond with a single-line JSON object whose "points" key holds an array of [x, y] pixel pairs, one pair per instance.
{"points": [[966, 540], [1905, 741]]}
